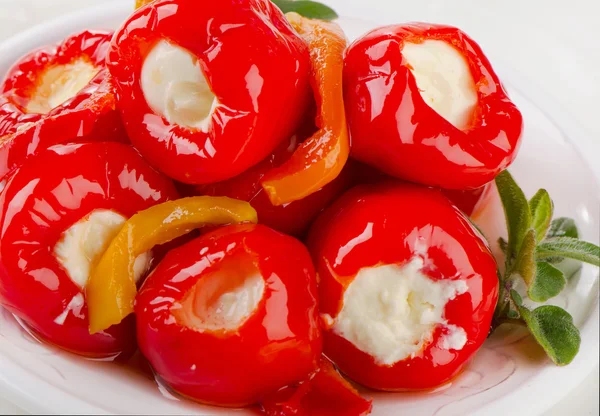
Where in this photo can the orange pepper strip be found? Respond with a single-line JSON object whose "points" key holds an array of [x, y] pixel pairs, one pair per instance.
{"points": [[320, 159], [111, 290], [140, 3]]}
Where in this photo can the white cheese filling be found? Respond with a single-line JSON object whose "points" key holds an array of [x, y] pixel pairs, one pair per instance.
{"points": [[175, 87], [222, 300], [391, 312], [60, 83], [81, 245], [444, 79]]}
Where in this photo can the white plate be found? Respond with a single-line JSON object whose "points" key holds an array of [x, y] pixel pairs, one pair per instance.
{"points": [[510, 370]]}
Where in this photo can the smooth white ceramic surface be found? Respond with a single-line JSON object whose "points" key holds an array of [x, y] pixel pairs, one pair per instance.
{"points": [[510, 371]]}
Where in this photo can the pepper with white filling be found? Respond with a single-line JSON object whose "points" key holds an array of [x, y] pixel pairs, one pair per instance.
{"points": [[112, 288], [231, 317], [425, 105], [208, 89], [407, 286], [58, 94], [58, 213]]}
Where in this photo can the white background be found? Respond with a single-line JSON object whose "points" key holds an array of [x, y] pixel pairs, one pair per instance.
{"points": [[561, 55]]}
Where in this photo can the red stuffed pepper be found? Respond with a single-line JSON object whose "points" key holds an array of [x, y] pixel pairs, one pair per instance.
{"points": [[58, 213], [209, 89], [231, 317], [293, 218], [58, 94], [407, 286], [425, 105]]}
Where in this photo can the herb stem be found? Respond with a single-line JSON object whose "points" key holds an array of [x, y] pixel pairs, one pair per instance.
{"points": [[511, 321]]}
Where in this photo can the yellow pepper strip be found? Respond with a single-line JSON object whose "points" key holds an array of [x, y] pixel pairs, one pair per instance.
{"points": [[320, 159], [111, 290], [141, 3]]}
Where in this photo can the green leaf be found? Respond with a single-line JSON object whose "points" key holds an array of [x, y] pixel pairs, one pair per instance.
{"points": [[553, 328], [541, 208], [549, 282], [516, 211], [570, 248], [512, 314], [525, 264], [563, 227], [517, 299], [306, 8]]}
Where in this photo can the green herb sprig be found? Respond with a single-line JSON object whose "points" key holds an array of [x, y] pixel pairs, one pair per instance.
{"points": [[307, 8], [535, 245]]}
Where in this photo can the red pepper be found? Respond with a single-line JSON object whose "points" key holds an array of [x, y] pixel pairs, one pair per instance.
{"points": [[395, 129], [33, 115], [293, 218], [406, 253], [237, 357], [260, 92], [45, 81], [39, 207], [470, 201], [324, 393], [89, 117]]}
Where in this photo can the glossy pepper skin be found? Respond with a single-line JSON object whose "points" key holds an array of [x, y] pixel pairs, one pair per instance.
{"points": [[240, 46], [470, 201], [393, 128], [324, 393], [278, 344], [44, 198], [293, 218], [111, 289], [393, 223], [89, 115], [27, 74], [320, 159]]}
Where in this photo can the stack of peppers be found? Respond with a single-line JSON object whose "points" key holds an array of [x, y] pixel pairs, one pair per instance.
{"points": [[101, 151]]}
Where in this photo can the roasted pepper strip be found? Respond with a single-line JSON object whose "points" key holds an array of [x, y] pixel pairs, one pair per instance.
{"points": [[320, 159], [140, 3], [111, 289], [293, 218]]}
